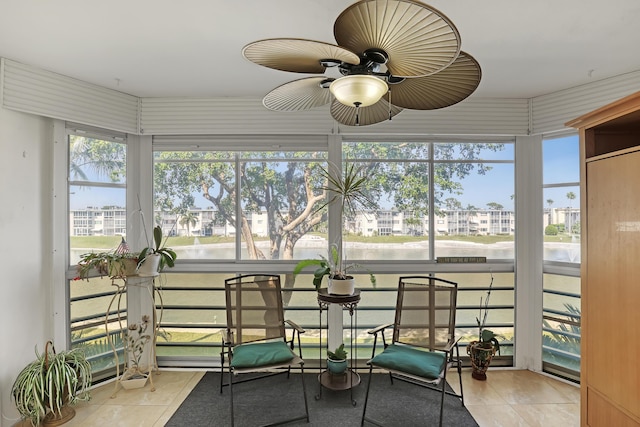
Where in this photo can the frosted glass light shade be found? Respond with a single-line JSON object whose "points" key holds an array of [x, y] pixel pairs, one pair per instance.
{"points": [[358, 90]]}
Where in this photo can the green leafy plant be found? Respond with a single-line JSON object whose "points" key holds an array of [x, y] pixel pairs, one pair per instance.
{"points": [[109, 264], [50, 382], [565, 337], [120, 262], [350, 192], [167, 255], [338, 354]]}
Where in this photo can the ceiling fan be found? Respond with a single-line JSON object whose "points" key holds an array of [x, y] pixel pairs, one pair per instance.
{"points": [[391, 55]]}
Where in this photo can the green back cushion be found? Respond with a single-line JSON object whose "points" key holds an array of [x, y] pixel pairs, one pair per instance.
{"points": [[262, 354], [424, 364]]}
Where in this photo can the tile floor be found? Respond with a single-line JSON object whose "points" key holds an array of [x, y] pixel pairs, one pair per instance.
{"points": [[508, 398]]}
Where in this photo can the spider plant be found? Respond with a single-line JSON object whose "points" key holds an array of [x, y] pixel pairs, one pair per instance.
{"points": [[50, 382]]}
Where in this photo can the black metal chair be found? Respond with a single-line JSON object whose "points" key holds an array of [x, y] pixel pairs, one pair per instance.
{"points": [[423, 342], [255, 338]]}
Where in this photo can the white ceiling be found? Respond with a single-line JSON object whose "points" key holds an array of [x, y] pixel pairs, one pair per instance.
{"points": [[192, 48]]}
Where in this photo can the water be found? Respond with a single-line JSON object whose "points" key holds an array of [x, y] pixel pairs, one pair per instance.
{"points": [[557, 251]]}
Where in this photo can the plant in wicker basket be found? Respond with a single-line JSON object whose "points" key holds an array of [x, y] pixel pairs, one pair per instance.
{"points": [[46, 387], [120, 262]]}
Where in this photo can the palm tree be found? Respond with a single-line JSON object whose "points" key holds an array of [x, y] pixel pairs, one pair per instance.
{"points": [[571, 196], [189, 219]]}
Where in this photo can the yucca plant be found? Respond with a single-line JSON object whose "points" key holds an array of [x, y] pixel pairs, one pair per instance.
{"points": [[349, 191], [50, 383]]}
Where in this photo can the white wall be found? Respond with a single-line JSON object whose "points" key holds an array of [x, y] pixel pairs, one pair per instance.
{"points": [[25, 230]]}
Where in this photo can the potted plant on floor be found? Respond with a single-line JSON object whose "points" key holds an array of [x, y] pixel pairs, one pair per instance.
{"points": [[481, 352], [349, 191], [337, 360], [46, 387], [156, 255]]}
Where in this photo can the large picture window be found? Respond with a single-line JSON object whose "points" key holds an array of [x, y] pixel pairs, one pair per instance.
{"points": [[236, 209], [97, 223], [561, 285], [459, 194], [239, 206]]}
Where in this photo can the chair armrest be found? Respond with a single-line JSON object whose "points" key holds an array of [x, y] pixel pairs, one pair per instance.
{"points": [[379, 328], [451, 344], [295, 326]]}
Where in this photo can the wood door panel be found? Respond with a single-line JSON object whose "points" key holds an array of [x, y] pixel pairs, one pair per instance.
{"points": [[602, 413], [613, 280]]}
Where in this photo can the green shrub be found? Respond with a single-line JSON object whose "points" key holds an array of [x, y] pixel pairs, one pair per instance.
{"points": [[551, 230]]}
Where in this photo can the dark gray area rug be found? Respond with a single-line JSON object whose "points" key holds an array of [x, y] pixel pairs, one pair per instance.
{"points": [[276, 398]]}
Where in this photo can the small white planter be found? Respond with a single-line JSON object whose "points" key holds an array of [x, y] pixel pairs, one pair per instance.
{"points": [[133, 379], [137, 381], [149, 267], [342, 286]]}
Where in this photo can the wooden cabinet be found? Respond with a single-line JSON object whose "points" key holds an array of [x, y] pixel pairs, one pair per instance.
{"points": [[610, 217]]}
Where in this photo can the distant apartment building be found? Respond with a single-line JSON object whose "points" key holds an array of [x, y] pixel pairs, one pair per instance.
{"points": [[568, 217], [111, 221], [447, 222], [94, 221]]}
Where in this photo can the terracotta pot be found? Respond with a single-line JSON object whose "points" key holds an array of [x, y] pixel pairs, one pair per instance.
{"points": [[481, 355]]}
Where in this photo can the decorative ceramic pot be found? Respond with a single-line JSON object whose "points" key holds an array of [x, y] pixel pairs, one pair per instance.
{"points": [[337, 367], [480, 354], [149, 267], [342, 286]]}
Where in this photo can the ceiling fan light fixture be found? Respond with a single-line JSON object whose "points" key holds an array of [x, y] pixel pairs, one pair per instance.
{"points": [[360, 90]]}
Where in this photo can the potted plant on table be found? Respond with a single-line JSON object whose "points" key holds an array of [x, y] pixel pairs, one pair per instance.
{"points": [[337, 360], [481, 352], [46, 387], [349, 191], [155, 256]]}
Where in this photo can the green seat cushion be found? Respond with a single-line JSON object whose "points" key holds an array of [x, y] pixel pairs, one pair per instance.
{"points": [[261, 354], [425, 364]]}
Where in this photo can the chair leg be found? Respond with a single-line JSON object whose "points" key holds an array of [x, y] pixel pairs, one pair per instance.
{"points": [[366, 396], [304, 392], [460, 378], [231, 393], [221, 371], [444, 389]]}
